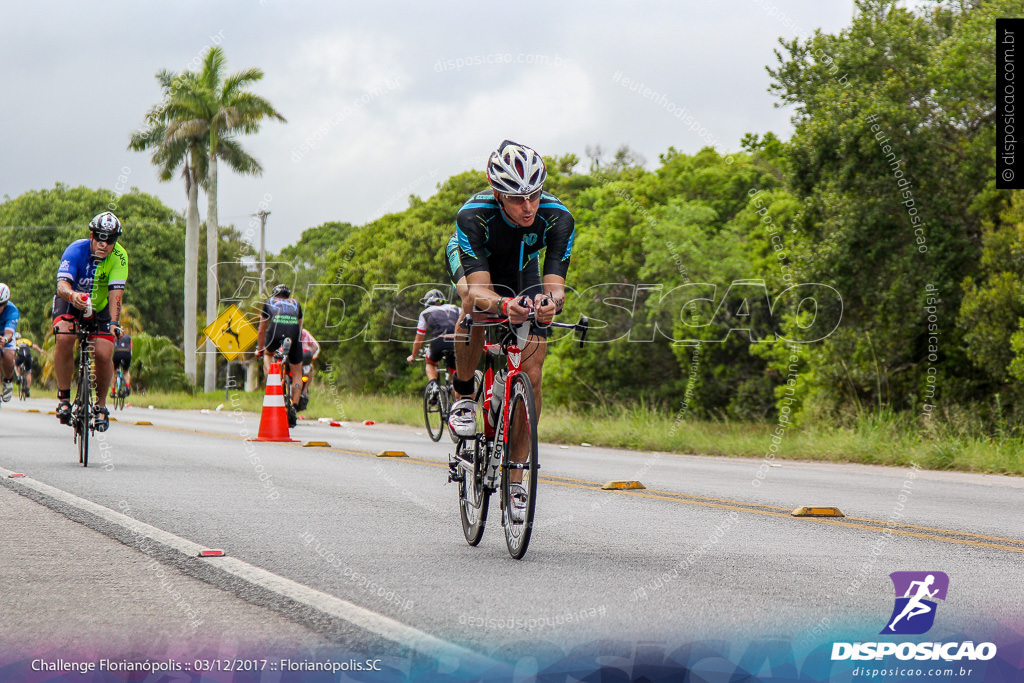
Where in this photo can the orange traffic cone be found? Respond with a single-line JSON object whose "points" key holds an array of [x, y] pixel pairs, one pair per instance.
{"points": [[274, 420]]}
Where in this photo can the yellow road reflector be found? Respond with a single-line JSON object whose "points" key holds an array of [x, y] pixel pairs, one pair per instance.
{"points": [[51, 412], [309, 444], [620, 485], [392, 454], [36, 410], [143, 422], [817, 511]]}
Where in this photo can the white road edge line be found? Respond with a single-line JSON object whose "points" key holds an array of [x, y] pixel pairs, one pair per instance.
{"points": [[448, 654]]}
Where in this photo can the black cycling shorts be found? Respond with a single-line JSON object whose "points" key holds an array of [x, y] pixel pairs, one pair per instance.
{"points": [[441, 348], [122, 359], [295, 352]]}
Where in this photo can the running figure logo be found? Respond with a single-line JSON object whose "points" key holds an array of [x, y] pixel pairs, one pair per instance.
{"points": [[914, 613]]}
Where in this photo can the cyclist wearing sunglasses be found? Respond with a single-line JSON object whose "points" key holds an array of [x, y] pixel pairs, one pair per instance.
{"points": [[92, 271], [494, 260]]}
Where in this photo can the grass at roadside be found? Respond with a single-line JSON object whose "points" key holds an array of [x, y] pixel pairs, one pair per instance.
{"points": [[873, 439]]}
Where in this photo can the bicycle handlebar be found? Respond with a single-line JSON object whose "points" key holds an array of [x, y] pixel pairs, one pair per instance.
{"points": [[580, 327]]}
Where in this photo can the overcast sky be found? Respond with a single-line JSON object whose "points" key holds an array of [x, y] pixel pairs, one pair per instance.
{"points": [[386, 99]]}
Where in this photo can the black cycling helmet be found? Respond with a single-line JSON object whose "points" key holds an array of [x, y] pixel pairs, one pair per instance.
{"points": [[433, 298], [282, 291], [105, 225]]}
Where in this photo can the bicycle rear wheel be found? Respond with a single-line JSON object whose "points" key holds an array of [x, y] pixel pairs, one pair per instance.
{"points": [[522, 412], [434, 410], [22, 387], [474, 497]]}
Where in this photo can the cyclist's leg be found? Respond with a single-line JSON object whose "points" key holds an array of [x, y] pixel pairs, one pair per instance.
{"points": [[273, 343], [64, 364], [103, 351], [430, 358], [533, 354], [295, 366], [64, 351], [467, 356], [8, 364]]}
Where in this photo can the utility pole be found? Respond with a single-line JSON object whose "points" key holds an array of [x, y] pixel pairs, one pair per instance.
{"points": [[263, 258]]}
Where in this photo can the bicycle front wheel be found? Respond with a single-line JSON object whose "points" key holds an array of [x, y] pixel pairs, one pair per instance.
{"points": [[519, 499], [434, 411], [84, 404], [474, 497]]}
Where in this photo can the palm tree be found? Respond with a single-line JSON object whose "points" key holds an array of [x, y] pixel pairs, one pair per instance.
{"points": [[169, 154], [218, 108]]}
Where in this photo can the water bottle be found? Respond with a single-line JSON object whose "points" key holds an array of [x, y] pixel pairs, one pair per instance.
{"points": [[497, 396], [87, 315]]}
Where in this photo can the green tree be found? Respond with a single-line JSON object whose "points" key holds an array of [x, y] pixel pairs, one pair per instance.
{"points": [[890, 159], [168, 154], [33, 239], [218, 108]]}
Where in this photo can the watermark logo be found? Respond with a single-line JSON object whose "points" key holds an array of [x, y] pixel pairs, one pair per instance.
{"points": [[914, 611], [914, 614]]}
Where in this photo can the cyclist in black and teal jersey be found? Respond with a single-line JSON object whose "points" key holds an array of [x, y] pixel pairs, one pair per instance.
{"points": [[281, 318], [93, 270], [494, 261]]}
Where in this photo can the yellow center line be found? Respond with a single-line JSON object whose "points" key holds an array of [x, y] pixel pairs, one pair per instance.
{"points": [[937, 533]]}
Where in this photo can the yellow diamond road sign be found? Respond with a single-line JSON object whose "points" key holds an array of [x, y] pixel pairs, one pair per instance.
{"points": [[231, 333]]}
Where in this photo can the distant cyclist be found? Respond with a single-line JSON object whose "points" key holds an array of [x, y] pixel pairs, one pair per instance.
{"points": [[494, 261], [280, 319], [9, 322], [310, 351], [93, 270], [436, 320], [123, 360], [23, 360]]}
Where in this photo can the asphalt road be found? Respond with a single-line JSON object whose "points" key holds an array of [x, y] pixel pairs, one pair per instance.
{"points": [[709, 550]]}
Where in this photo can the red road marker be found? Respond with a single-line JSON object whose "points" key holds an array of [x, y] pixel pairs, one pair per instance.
{"points": [[368, 422], [12, 475], [211, 552]]}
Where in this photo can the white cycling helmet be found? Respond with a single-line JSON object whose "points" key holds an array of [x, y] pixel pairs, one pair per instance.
{"points": [[5, 294], [516, 169]]}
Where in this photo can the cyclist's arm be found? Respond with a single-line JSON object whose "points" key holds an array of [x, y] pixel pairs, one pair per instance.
{"points": [[261, 336], [315, 343], [114, 305], [417, 344], [481, 292], [67, 292]]}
